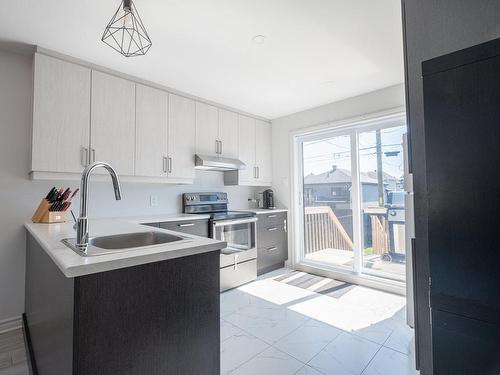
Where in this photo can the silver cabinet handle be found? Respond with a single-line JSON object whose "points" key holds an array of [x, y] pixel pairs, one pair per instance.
{"points": [[84, 156], [170, 164], [236, 256], [254, 172], [284, 225], [270, 216], [258, 172], [218, 146], [165, 164], [272, 229], [186, 225], [274, 248], [93, 154]]}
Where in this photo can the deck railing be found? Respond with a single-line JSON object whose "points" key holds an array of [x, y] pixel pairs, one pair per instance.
{"points": [[323, 230], [380, 238]]}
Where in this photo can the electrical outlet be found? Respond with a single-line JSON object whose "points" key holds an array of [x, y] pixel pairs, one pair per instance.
{"points": [[153, 200]]}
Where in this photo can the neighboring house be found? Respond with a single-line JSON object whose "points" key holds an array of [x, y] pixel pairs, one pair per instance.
{"points": [[335, 187]]}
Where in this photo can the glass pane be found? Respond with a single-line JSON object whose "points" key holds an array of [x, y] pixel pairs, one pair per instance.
{"points": [[381, 160], [328, 225], [237, 236]]}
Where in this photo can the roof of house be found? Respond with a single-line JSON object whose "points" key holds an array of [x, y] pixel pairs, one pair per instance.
{"points": [[340, 175]]}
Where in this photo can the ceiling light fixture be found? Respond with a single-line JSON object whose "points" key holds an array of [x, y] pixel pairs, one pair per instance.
{"points": [[125, 33], [259, 39]]}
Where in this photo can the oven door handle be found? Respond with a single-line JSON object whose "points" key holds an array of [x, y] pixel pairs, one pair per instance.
{"points": [[233, 222]]}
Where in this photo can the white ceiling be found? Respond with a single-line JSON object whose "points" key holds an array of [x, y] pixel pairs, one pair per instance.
{"points": [[315, 52]]}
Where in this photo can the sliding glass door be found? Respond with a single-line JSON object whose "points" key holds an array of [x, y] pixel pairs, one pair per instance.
{"points": [[352, 213], [328, 209]]}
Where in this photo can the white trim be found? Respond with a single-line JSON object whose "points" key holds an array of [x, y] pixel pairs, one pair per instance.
{"points": [[349, 277], [10, 324], [357, 225], [361, 121]]}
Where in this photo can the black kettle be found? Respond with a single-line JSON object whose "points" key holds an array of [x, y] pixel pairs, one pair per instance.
{"points": [[268, 199]]}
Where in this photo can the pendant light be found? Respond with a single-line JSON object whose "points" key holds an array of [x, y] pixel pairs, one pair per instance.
{"points": [[125, 33]]}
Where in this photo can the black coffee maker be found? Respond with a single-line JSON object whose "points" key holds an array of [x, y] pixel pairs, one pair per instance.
{"points": [[268, 199]]}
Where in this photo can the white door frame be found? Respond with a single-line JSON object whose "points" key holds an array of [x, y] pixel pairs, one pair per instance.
{"points": [[352, 127]]}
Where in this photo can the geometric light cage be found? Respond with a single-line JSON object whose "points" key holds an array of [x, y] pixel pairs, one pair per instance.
{"points": [[125, 32]]}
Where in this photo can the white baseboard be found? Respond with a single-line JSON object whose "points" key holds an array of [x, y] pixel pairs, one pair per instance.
{"points": [[10, 324]]}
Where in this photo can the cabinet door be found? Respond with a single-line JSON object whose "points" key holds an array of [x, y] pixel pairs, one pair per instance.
{"points": [[263, 136], [61, 115], [246, 144], [151, 132], [113, 121], [182, 134], [228, 133], [207, 126]]}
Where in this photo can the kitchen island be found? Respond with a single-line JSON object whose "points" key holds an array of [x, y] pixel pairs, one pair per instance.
{"points": [[149, 310]]}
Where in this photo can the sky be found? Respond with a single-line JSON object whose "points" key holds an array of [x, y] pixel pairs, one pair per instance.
{"points": [[320, 156]]}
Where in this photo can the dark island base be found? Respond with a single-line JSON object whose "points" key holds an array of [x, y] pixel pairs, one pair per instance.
{"points": [[157, 318]]}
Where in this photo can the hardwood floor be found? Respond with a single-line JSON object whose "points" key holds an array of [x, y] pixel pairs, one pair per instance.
{"points": [[13, 360]]}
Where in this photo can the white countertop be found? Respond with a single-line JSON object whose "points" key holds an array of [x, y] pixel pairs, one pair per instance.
{"points": [[165, 218], [261, 211], [71, 264]]}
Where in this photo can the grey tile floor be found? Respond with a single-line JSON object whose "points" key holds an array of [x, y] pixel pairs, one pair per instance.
{"points": [[273, 327]]}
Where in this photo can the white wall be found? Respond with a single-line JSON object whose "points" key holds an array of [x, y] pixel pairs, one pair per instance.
{"points": [[376, 101], [19, 196]]}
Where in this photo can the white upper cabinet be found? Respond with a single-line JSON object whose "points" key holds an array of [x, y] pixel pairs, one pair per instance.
{"points": [[113, 122], [228, 134], [263, 137], [82, 115], [207, 129], [255, 151], [246, 136], [181, 137], [151, 132], [61, 116]]}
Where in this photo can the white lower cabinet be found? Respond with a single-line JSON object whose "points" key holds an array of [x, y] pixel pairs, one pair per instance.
{"points": [[112, 130]]}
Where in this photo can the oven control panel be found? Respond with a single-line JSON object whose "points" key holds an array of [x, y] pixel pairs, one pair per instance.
{"points": [[189, 199]]}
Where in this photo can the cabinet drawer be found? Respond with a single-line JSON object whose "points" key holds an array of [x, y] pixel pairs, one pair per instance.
{"points": [[231, 277], [271, 218], [271, 255], [271, 235], [196, 227]]}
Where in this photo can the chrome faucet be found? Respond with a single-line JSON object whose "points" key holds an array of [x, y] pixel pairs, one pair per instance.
{"points": [[82, 224]]}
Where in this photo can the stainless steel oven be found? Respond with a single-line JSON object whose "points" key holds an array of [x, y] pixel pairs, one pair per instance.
{"points": [[240, 237], [238, 261]]}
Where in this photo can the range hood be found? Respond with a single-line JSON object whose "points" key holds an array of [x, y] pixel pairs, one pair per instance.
{"points": [[217, 163]]}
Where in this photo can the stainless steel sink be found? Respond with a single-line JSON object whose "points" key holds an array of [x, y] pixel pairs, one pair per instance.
{"points": [[123, 242]]}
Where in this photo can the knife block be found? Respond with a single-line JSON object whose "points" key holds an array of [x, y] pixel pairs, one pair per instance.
{"points": [[43, 215]]}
